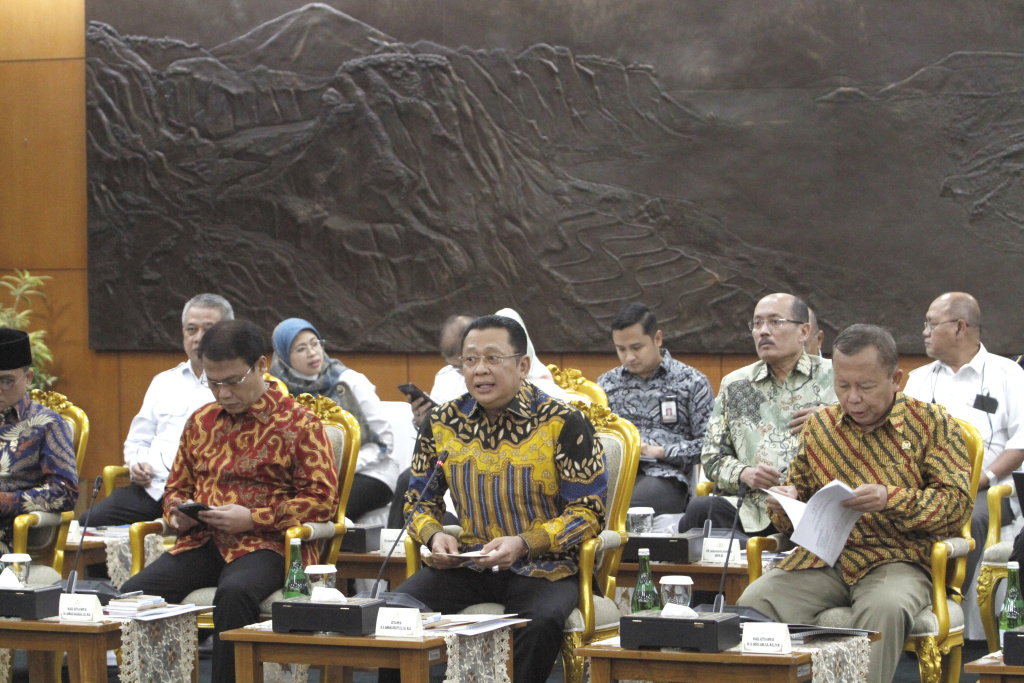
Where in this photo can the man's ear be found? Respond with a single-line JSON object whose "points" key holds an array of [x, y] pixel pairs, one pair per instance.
{"points": [[524, 365], [657, 338]]}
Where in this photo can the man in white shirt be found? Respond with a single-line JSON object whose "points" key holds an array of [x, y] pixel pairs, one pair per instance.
{"points": [[153, 437], [974, 385]]}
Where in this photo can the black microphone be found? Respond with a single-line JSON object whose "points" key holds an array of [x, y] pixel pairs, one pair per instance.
{"points": [[73, 574], [391, 598], [720, 598]]}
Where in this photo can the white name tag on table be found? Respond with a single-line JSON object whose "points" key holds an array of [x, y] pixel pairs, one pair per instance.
{"points": [[715, 549], [766, 637], [387, 539], [80, 607], [399, 621]]}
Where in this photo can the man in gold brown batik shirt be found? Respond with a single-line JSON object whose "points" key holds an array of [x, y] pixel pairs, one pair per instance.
{"points": [[908, 466]]}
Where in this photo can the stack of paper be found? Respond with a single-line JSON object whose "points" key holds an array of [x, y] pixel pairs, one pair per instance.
{"points": [[133, 605]]}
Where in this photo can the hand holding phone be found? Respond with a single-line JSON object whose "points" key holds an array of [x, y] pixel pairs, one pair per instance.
{"points": [[192, 510], [414, 392]]}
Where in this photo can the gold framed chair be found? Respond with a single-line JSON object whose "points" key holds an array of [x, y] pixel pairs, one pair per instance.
{"points": [[44, 534], [575, 384], [596, 616], [937, 635], [113, 474], [993, 564], [343, 431]]}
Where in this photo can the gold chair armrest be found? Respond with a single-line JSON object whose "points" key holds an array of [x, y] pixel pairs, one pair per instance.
{"points": [[940, 609], [704, 488], [137, 539], [755, 546], [111, 473], [588, 554], [995, 512], [54, 556], [413, 561]]}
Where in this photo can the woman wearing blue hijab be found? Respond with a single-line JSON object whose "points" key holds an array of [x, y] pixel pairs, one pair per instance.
{"points": [[301, 362]]}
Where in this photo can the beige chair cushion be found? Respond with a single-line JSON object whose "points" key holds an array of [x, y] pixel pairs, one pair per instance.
{"points": [[998, 554], [204, 596], [925, 623], [606, 614], [41, 575], [337, 439]]}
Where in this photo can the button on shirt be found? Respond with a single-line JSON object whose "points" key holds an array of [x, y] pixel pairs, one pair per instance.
{"points": [[986, 374], [640, 399], [748, 426], [153, 436]]}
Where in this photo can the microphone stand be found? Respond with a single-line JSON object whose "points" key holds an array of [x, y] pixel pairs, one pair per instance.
{"points": [[73, 574], [391, 598]]}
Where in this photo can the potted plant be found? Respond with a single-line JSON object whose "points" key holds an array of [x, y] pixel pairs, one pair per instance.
{"points": [[22, 288]]}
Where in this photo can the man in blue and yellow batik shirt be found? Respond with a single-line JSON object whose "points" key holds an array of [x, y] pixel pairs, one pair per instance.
{"points": [[37, 456], [527, 478]]}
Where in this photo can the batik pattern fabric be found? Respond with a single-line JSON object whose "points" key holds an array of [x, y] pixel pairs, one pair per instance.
{"points": [[274, 459], [918, 454], [37, 465], [639, 400], [536, 471], [748, 426]]}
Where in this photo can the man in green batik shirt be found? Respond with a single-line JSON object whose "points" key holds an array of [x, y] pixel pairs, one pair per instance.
{"points": [[754, 428]]}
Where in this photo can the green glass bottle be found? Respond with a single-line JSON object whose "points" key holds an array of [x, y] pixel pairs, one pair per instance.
{"points": [[1012, 615], [297, 583], [645, 595]]}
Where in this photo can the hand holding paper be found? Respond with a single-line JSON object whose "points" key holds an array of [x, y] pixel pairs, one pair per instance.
{"points": [[822, 524]]}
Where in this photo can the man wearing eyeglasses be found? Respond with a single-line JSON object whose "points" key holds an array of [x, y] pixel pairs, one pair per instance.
{"points": [[755, 424], [527, 479], [153, 436], [37, 455], [261, 463], [977, 386]]}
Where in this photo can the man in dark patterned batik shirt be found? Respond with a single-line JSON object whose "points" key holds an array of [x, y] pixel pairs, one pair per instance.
{"points": [[37, 454], [668, 401]]}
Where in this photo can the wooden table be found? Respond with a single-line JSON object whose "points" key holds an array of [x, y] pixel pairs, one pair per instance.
{"points": [[705, 577], [366, 566], [611, 663], [94, 551], [45, 640], [994, 671], [414, 656]]}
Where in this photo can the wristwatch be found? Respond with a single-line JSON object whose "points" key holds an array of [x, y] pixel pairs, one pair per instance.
{"points": [[991, 476]]}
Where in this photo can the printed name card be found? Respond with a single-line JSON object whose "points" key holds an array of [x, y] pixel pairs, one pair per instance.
{"points": [[80, 607], [387, 539], [715, 549], [398, 621], [768, 638]]}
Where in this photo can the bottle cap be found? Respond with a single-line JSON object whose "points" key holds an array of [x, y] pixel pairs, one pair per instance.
{"points": [[1013, 565], [296, 541], [643, 552]]}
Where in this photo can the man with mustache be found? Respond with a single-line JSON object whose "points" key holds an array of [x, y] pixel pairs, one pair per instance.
{"points": [[755, 424]]}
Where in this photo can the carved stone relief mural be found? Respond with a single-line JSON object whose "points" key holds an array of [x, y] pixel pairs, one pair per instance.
{"points": [[377, 166]]}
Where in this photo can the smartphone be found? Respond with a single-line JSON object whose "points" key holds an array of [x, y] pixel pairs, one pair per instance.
{"points": [[193, 510], [414, 392]]}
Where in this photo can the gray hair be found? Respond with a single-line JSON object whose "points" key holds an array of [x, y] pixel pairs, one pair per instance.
{"points": [[207, 300], [856, 338]]}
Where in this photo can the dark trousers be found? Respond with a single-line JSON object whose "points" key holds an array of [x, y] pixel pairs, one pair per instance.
{"points": [[367, 494], [666, 495], [721, 513], [546, 603], [241, 585], [126, 505]]}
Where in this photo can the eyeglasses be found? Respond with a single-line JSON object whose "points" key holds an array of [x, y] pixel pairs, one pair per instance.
{"points": [[229, 383], [928, 327], [314, 346], [470, 362], [773, 323]]}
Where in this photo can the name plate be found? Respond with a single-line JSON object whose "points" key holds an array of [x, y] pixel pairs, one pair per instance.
{"points": [[715, 549], [766, 637], [398, 621], [387, 538], [80, 608]]}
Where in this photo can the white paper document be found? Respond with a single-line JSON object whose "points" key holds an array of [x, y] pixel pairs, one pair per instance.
{"points": [[821, 525]]}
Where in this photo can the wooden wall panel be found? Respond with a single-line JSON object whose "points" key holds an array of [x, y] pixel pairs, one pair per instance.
{"points": [[422, 368], [385, 371], [42, 29], [42, 164]]}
